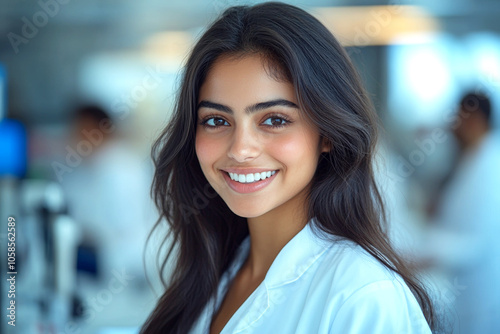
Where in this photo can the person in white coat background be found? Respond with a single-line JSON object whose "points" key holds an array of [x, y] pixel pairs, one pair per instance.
{"points": [[463, 239], [107, 194]]}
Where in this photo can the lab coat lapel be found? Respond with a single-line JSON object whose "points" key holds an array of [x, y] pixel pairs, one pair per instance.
{"points": [[297, 256], [249, 314], [292, 262]]}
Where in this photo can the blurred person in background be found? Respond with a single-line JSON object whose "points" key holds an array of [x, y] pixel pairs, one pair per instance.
{"points": [[464, 236], [107, 194]]}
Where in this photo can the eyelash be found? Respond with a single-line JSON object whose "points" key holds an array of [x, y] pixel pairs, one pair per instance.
{"points": [[286, 120]]}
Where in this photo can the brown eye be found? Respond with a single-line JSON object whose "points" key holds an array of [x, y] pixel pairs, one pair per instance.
{"points": [[275, 121], [214, 122]]}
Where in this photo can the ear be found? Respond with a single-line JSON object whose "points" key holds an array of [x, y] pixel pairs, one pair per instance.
{"points": [[325, 144]]}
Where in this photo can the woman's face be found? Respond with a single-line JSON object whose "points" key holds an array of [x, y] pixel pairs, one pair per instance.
{"points": [[253, 144]]}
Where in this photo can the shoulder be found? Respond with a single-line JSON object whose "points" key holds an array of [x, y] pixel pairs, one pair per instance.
{"points": [[351, 266], [363, 295]]}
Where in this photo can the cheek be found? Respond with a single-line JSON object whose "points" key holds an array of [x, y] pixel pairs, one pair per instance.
{"points": [[296, 151], [295, 146], [204, 150], [284, 148], [209, 149]]}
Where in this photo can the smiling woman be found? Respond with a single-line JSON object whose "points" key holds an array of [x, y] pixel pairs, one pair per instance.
{"points": [[272, 116], [251, 127]]}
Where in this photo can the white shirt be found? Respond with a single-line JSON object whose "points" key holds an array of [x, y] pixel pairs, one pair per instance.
{"points": [[316, 286]]}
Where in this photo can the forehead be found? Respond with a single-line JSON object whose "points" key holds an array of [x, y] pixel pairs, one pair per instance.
{"points": [[243, 80]]}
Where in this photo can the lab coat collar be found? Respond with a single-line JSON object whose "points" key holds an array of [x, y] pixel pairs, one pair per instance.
{"points": [[294, 259], [297, 256]]}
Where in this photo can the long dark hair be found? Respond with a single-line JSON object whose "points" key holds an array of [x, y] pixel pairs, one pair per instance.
{"points": [[344, 198]]}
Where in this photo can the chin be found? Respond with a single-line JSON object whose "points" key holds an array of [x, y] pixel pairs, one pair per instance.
{"points": [[246, 211]]}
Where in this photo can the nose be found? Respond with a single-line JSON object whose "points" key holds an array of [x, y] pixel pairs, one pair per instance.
{"points": [[244, 145]]}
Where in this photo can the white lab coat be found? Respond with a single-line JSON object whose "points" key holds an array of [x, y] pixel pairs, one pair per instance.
{"points": [[465, 241], [315, 286]]}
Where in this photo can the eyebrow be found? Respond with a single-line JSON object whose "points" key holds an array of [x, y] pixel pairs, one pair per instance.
{"points": [[250, 109]]}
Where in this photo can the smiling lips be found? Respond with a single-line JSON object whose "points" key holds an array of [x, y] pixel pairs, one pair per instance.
{"points": [[252, 177], [251, 181]]}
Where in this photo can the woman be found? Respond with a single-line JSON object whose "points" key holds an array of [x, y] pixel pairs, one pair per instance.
{"points": [[265, 177]]}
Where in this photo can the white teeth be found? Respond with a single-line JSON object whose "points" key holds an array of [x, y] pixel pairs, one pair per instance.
{"points": [[250, 178]]}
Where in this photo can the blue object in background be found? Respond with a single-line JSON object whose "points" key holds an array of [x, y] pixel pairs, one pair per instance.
{"points": [[12, 148]]}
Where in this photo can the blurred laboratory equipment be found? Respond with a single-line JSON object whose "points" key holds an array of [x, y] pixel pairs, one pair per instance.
{"points": [[41, 240]]}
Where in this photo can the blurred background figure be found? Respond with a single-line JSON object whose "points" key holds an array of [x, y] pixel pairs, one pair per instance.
{"points": [[107, 193], [466, 225], [106, 183]]}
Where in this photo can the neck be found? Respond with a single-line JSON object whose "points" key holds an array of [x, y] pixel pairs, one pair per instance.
{"points": [[270, 232]]}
